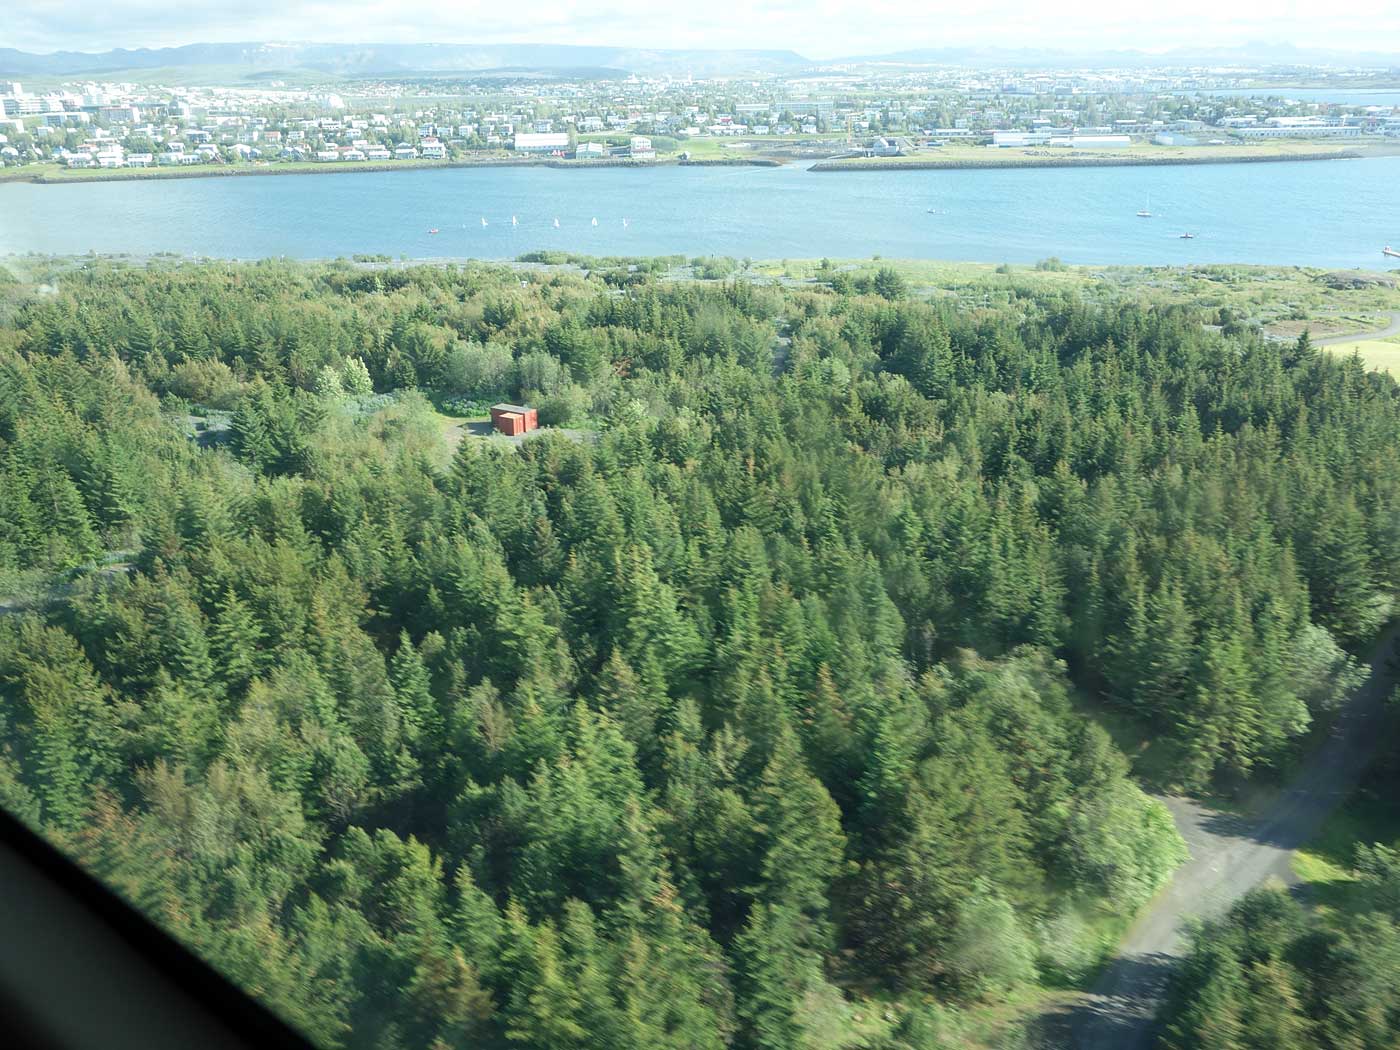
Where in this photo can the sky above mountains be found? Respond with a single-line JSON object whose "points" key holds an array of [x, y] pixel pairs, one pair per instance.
{"points": [[818, 29]]}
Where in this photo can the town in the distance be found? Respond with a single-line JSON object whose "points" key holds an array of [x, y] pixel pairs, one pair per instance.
{"points": [[223, 119]]}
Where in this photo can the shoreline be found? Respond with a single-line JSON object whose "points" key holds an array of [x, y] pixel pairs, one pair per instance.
{"points": [[64, 177], [1100, 161], [217, 171]]}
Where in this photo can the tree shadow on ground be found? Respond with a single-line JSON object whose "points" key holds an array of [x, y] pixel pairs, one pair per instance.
{"points": [[1117, 1015]]}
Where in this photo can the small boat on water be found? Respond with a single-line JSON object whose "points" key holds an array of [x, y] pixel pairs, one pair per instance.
{"points": [[514, 221], [595, 220], [1145, 212], [1391, 252], [556, 224], [626, 223], [433, 230], [1188, 236], [483, 221]]}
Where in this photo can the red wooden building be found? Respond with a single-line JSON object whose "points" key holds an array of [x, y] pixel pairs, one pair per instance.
{"points": [[514, 419]]}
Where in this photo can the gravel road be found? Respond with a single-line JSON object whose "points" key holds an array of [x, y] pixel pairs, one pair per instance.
{"points": [[1230, 855], [1356, 337]]}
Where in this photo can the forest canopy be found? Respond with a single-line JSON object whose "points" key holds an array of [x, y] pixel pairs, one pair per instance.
{"points": [[748, 704]]}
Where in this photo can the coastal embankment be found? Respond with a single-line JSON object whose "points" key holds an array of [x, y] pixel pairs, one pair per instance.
{"points": [[49, 175], [1053, 160]]}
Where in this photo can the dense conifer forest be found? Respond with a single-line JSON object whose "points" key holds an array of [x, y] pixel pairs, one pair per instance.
{"points": [[753, 703]]}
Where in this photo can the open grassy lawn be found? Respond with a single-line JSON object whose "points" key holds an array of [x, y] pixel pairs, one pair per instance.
{"points": [[1365, 817], [1383, 355], [1324, 866]]}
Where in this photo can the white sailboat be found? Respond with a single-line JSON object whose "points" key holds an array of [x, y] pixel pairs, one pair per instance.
{"points": [[625, 224], [1146, 211], [556, 224], [514, 221], [595, 220], [483, 220]]}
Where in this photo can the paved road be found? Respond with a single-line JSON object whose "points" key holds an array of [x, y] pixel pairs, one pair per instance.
{"points": [[1230, 855], [1356, 337]]}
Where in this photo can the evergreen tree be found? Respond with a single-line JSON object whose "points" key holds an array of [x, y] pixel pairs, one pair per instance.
{"points": [[235, 639]]}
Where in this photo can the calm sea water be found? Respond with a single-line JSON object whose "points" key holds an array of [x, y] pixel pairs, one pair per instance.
{"points": [[1321, 213]]}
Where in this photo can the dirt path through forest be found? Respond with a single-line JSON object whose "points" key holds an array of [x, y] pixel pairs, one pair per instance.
{"points": [[1230, 855]]}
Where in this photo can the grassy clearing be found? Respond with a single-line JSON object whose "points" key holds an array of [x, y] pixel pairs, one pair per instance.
{"points": [[1383, 355], [450, 425], [930, 272], [1366, 817], [1280, 300], [1324, 866]]}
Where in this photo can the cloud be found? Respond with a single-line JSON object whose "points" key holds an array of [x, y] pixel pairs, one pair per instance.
{"points": [[817, 28]]}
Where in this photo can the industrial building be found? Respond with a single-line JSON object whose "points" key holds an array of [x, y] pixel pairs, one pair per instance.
{"points": [[533, 142]]}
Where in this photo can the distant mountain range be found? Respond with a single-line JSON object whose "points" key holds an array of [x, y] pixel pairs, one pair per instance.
{"points": [[1252, 54], [362, 60], [395, 60]]}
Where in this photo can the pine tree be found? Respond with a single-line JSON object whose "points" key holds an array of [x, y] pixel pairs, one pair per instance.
{"points": [[544, 1008], [1210, 1014], [69, 730], [252, 435], [1302, 352], [1168, 647], [356, 378], [235, 640], [805, 844], [774, 974], [477, 923], [1339, 572], [418, 710], [445, 1002], [1273, 1017], [65, 525]]}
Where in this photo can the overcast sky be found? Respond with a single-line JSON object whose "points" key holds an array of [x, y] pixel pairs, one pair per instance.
{"points": [[816, 28]]}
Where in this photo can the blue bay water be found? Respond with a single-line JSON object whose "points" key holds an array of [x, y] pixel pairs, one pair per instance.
{"points": [[1317, 213]]}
